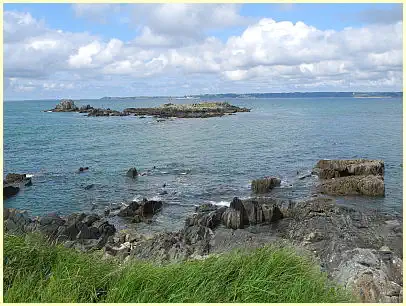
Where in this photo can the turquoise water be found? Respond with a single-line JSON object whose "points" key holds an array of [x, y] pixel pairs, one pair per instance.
{"points": [[199, 160]]}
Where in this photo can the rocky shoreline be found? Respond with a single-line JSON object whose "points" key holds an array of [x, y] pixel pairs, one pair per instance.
{"points": [[169, 110], [362, 250]]}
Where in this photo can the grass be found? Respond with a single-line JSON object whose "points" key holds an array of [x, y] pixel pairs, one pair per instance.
{"points": [[35, 271]]}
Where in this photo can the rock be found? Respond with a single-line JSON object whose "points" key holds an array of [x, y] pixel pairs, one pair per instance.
{"points": [[90, 219], [82, 169], [207, 215], [66, 105], [264, 185], [132, 172], [233, 219], [88, 187], [129, 210], [149, 208], [9, 191], [15, 178], [370, 279], [328, 169], [13, 184], [354, 185], [88, 233]]}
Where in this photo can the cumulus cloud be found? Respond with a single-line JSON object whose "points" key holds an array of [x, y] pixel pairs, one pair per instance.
{"points": [[266, 56]]}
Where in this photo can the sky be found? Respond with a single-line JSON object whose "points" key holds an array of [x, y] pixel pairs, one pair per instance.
{"points": [[54, 51]]}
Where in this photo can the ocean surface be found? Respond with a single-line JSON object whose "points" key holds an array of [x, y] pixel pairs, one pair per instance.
{"points": [[199, 160]]}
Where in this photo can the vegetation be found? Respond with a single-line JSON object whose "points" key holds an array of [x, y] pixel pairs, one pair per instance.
{"points": [[35, 271]]}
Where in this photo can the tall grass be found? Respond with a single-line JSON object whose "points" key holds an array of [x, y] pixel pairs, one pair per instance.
{"points": [[35, 271]]}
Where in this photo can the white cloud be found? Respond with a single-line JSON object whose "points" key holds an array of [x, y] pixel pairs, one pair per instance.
{"points": [[276, 56], [95, 12]]}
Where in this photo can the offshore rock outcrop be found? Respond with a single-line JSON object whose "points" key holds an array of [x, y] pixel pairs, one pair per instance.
{"points": [[351, 177], [13, 183], [196, 110], [66, 105], [264, 185]]}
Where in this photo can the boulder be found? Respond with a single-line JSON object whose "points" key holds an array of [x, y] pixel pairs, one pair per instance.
{"points": [[264, 185], [132, 172], [370, 185], [327, 169], [149, 208]]}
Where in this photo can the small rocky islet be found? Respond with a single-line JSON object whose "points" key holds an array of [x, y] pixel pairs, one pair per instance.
{"points": [[360, 249], [168, 110]]}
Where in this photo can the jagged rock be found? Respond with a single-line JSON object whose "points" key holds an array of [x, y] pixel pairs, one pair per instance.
{"points": [[132, 172], [328, 169], [13, 183], [66, 105], [265, 184], [368, 277], [354, 185], [233, 218]]}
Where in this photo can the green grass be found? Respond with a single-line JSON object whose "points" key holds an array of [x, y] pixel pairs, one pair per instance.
{"points": [[35, 271]]}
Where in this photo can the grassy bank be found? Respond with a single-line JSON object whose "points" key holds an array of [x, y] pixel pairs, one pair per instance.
{"points": [[37, 272]]}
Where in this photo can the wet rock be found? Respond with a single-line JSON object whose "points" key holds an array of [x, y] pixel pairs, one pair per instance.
{"points": [[264, 185], [132, 172], [13, 183], [328, 169], [15, 178], [354, 185], [9, 191]]}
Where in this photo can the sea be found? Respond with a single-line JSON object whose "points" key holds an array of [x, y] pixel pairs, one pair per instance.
{"points": [[188, 162]]}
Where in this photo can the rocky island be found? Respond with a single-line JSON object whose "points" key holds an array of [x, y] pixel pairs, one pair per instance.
{"points": [[168, 110]]}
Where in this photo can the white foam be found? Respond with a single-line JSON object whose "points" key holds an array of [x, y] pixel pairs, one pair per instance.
{"points": [[29, 175], [220, 203]]}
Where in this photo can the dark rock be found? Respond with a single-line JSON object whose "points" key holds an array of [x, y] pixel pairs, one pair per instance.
{"points": [[132, 172], [82, 169], [15, 178], [9, 191], [265, 185], [88, 187]]}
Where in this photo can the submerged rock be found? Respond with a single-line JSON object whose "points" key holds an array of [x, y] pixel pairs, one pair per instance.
{"points": [[264, 185]]}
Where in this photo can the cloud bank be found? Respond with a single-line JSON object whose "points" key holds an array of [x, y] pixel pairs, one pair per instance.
{"points": [[173, 53]]}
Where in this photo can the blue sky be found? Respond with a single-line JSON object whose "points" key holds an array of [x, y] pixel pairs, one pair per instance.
{"points": [[115, 46]]}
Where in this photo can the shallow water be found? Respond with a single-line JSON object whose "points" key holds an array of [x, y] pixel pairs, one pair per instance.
{"points": [[199, 160]]}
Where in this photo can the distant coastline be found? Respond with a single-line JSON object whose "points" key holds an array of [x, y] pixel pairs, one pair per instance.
{"points": [[271, 95]]}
